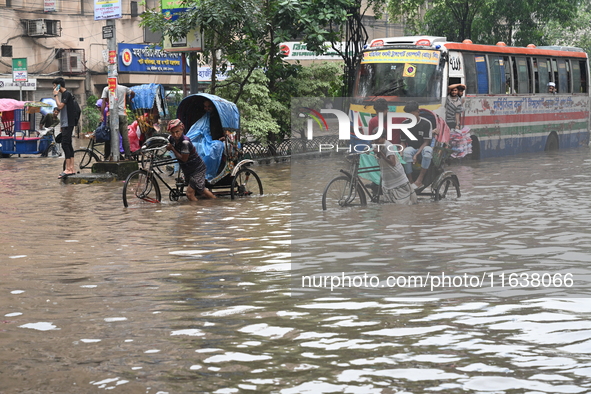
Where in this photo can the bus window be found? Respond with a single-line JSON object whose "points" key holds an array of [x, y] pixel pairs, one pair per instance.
{"points": [[576, 73], [554, 73], [536, 76], [584, 81], [398, 79], [521, 75], [543, 76], [509, 87], [481, 73], [563, 86], [569, 80], [470, 73], [497, 74]]}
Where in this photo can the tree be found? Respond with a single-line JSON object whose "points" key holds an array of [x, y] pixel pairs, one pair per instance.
{"points": [[485, 21], [575, 33]]}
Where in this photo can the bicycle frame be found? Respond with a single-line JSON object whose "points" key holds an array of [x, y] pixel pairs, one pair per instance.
{"points": [[153, 163], [356, 179]]}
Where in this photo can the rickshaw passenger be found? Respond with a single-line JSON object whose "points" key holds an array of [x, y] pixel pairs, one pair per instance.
{"points": [[215, 123], [209, 149], [418, 150], [191, 164], [395, 185]]}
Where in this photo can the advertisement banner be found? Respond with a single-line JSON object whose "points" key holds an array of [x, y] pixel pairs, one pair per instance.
{"points": [[107, 9], [49, 5]]}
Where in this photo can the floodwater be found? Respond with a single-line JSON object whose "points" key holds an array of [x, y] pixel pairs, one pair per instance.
{"points": [[190, 298]]}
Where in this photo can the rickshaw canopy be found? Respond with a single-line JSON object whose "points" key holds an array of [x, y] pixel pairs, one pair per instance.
{"points": [[191, 109], [148, 95], [8, 104]]}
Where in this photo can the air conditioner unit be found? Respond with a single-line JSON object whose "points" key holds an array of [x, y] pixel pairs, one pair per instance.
{"points": [[43, 27], [72, 62], [36, 27]]}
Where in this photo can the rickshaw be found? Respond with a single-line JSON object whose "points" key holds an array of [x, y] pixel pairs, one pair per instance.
{"points": [[232, 176], [361, 181], [17, 135], [148, 106]]}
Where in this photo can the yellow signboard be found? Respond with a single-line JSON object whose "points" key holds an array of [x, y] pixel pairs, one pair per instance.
{"points": [[402, 56]]}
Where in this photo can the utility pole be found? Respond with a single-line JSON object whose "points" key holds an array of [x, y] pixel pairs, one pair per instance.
{"points": [[112, 83]]}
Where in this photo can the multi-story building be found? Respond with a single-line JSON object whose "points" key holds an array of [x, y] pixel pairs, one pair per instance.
{"points": [[68, 42], [61, 38]]}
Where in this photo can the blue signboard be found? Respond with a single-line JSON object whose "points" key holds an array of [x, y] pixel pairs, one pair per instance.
{"points": [[136, 58]]}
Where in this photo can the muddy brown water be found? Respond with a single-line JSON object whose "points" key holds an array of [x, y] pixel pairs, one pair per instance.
{"points": [[190, 298]]}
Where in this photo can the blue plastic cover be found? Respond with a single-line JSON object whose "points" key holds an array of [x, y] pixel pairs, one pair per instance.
{"points": [[198, 124], [191, 109], [209, 150], [146, 96]]}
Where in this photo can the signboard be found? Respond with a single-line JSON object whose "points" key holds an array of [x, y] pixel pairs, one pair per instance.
{"points": [[204, 75], [108, 32], [192, 43], [49, 5], [19, 70], [171, 9], [107, 9], [7, 84], [147, 59], [294, 50], [401, 56], [137, 58]]}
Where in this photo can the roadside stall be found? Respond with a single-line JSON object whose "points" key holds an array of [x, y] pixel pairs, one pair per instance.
{"points": [[17, 135]]}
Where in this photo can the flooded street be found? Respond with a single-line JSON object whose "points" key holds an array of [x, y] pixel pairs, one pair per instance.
{"points": [[192, 298]]}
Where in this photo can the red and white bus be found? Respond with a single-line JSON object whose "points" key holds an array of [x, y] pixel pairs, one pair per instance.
{"points": [[508, 108]]}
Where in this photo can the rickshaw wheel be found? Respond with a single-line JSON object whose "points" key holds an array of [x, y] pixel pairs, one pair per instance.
{"points": [[448, 188], [332, 197], [174, 195], [139, 187], [244, 185]]}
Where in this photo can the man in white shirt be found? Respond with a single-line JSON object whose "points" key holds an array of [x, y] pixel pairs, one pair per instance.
{"points": [[119, 110], [395, 184]]}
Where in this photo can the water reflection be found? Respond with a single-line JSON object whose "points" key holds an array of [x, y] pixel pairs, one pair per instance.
{"points": [[182, 298]]}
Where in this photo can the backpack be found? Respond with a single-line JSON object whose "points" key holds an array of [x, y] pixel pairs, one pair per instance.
{"points": [[77, 110]]}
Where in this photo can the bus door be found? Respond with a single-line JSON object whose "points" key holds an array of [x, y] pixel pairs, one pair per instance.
{"points": [[455, 70]]}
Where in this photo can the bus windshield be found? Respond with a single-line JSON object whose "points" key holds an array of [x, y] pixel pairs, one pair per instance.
{"points": [[398, 79]]}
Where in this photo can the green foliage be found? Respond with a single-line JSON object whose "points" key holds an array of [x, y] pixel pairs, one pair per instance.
{"points": [[90, 115], [266, 115], [173, 99], [575, 33], [485, 21], [255, 104]]}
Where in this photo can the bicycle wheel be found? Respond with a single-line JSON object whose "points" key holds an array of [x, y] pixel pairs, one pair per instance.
{"points": [[338, 191], [448, 188], [83, 160], [140, 187], [245, 183]]}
